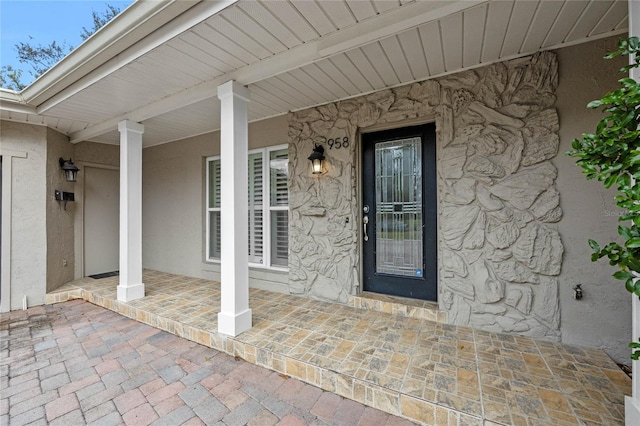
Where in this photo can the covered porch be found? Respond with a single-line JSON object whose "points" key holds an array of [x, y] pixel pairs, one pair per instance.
{"points": [[392, 354]]}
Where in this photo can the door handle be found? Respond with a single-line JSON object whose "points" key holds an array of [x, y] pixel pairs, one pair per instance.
{"points": [[365, 221]]}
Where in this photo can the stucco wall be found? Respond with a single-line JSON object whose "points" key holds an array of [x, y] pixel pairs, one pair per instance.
{"points": [[174, 200], [96, 153], [172, 206], [60, 221], [603, 317], [29, 203]]}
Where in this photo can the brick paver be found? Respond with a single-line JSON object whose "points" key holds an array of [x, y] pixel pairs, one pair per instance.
{"points": [[75, 363]]}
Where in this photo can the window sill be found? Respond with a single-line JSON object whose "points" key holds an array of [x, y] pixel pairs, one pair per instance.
{"points": [[255, 266]]}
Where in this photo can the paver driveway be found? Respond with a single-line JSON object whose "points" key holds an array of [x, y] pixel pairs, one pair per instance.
{"points": [[75, 363]]}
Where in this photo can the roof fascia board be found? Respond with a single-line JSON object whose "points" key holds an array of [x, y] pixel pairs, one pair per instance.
{"points": [[13, 102], [394, 22], [16, 106], [172, 22]]}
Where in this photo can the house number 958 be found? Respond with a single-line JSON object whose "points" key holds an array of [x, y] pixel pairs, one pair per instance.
{"points": [[338, 143]]}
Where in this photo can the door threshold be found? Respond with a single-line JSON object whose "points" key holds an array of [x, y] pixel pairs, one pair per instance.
{"points": [[396, 305]]}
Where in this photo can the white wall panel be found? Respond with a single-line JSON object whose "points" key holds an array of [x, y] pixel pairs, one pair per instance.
{"points": [[363, 64], [378, 58], [617, 13], [432, 42], [224, 62], [540, 26], [521, 17], [315, 16], [451, 30], [362, 9], [339, 13], [568, 16], [323, 79], [343, 63], [293, 19], [337, 76], [264, 17], [225, 48], [312, 85], [474, 26], [589, 19], [394, 52], [498, 17], [250, 34]]}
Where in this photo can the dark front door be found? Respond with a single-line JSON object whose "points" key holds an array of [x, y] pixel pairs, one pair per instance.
{"points": [[399, 212]]}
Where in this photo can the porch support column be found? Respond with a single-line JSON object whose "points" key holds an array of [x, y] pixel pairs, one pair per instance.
{"points": [[632, 403], [131, 286], [235, 315]]}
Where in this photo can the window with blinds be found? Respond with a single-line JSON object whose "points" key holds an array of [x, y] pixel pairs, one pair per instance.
{"points": [[268, 204], [213, 208], [256, 184], [279, 206]]}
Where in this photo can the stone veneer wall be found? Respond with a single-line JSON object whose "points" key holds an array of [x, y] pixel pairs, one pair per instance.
{"points": [[499, 250]]}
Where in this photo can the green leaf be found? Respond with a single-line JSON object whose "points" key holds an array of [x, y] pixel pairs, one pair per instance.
{"points": [[622, 275], [594, 104], [610, 181], [629, 285], [594, 245], [633, 243]]}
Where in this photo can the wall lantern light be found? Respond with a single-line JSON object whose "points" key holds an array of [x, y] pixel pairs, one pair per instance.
{"points": [[317, 160], [70, 169]]}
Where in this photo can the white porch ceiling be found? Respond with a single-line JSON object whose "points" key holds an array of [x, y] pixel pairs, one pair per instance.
{"points": [[293, 54]]}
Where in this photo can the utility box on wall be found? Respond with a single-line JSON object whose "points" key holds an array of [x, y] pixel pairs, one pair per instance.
{"points": [[63, 196]]}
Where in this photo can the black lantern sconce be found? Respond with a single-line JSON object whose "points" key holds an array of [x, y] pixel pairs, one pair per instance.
{"points": [[317, 160], [70, 169]]}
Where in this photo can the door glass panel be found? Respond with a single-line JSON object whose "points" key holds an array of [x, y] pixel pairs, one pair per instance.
{"points": [[398, 168]]}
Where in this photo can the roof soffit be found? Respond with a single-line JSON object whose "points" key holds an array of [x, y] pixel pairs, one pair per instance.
{"points": [[375, 27], [314, 56]]}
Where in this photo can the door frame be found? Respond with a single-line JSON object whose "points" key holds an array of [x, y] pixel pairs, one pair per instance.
{"points": [[78, 223], [430, 119]]}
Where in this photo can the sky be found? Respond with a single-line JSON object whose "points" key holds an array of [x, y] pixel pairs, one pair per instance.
{"points": [[45, 21]]}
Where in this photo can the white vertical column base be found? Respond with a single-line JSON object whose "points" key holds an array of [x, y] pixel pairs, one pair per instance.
{"points": [[631, 411], [130, 292], [234, 324]]}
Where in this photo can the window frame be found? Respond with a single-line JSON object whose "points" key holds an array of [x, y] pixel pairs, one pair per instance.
{"points": [[266, 209]]}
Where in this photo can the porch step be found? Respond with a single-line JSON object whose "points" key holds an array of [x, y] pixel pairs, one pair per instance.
{"points": [[401, 306]]}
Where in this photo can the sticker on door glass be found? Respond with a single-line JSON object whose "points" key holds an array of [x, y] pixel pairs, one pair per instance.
{"points": [[418, 272]]}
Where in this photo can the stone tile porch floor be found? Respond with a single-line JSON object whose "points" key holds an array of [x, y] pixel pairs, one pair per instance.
{"points": [[420, 369]]}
